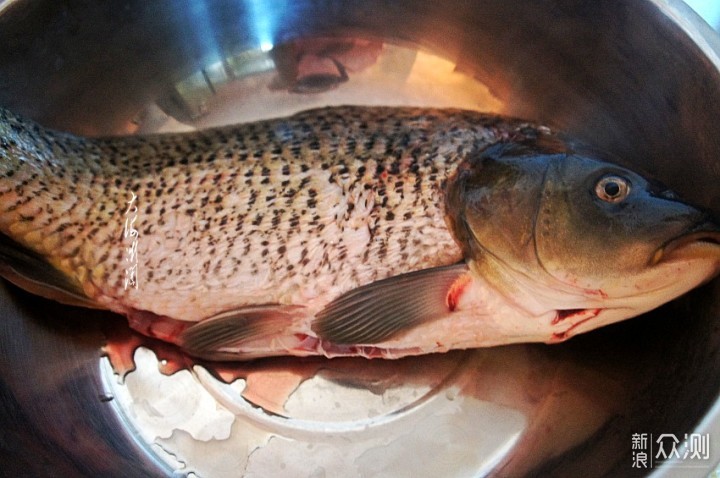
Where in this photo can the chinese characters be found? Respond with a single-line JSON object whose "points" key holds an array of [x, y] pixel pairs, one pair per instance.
{"points": [[648, 451], [130, 232]]}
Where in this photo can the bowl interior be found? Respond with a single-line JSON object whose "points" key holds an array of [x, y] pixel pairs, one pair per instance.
{"points": [[637, 79]]}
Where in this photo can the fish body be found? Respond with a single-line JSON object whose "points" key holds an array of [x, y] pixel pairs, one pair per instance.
{"points": [[336, 231]]}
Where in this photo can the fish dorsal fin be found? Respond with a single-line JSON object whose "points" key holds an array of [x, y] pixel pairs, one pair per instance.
{"points": [[386, 308], [30, 271], [229, 329]]}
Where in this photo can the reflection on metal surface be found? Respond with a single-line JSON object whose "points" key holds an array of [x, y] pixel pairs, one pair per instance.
{"points": [[709, 10], [207, 427], [188, 99], [440, 415], [381, 74]]}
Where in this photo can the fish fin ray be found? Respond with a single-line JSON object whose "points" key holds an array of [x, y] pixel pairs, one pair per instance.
{"points": [[386, 308], [30, 271], [231, 328]]}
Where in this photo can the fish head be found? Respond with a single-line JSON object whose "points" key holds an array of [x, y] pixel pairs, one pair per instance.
{"points": [[553, 229]]}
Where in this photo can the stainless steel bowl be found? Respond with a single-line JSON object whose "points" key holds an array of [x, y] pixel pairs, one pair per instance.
{"points": [[639, 78]]}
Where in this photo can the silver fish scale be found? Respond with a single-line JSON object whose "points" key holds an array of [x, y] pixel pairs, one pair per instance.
{"points": [[291, 211]]}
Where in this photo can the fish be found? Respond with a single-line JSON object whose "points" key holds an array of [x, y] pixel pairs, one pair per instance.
{"points": [[371, 231]]}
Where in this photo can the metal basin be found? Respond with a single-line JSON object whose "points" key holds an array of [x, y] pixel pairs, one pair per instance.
{"points": [[638, 78]]}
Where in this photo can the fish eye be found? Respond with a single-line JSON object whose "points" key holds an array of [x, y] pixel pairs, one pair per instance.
{"points": [[612, 189]]}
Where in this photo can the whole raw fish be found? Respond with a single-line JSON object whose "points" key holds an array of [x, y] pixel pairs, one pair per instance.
{"points": [[371, 231]]}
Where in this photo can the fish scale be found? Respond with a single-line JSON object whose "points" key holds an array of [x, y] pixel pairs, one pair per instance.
{"points": [[294, 209], [371, 231]]}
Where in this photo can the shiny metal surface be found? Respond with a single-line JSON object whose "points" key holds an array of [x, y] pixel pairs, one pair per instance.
{"points": [[637, 78]]}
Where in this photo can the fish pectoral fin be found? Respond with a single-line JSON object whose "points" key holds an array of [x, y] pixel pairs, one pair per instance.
{"points": [[229, 329], [384, 309], [31, 272]]}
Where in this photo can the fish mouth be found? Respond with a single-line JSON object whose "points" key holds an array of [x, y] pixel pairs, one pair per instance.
{"points": [[705, 234]]}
